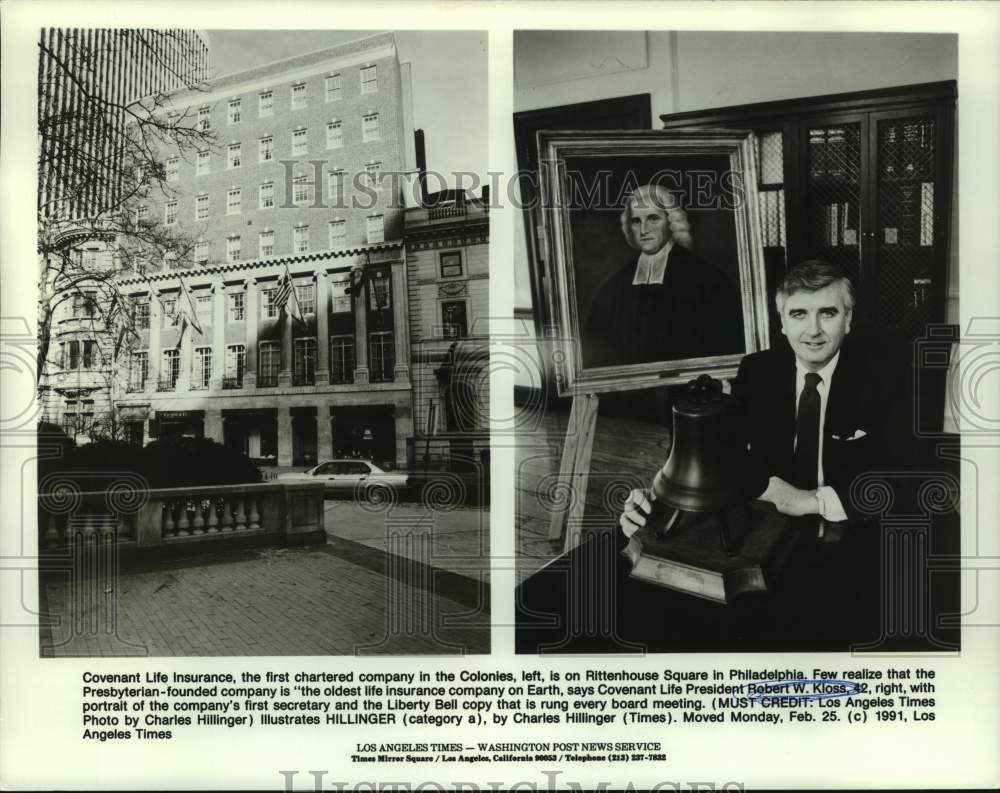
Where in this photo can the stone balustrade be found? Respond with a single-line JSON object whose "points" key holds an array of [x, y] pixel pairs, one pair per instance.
{"points": [[136, 518]]}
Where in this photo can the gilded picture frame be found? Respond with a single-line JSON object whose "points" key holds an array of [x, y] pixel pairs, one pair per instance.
{"points": [[704, 305]]}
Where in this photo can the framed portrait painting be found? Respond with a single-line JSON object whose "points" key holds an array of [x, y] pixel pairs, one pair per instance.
{"points": [[657, 270]]}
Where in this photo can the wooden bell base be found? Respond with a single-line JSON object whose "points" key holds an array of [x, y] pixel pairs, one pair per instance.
{"points": [[716, 556]]}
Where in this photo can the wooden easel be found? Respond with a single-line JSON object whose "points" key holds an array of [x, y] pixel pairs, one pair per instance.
{"points": [[574, 470]]}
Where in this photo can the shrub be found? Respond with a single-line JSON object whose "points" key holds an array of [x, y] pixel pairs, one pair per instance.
{"points": [[184, 462], [94, 466], [55, 447], [180, 462], [53, 444]]}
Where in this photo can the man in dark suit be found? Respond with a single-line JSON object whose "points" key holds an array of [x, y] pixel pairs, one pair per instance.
{"points": [[667, 304], [817, 413], [817, 410]]}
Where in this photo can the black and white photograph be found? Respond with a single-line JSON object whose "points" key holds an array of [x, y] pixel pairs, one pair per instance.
{"points": [[262, 382], [496, 395], [742, 278]]}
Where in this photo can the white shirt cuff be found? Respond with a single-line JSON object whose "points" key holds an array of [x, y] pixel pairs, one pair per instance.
{"points": [[829, 503]]}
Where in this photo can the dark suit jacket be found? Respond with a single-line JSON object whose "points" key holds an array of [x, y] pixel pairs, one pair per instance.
{"points": [[695, 312], [863, 398]]}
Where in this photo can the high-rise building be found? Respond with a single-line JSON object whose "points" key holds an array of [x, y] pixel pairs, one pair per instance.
{"points": [[87, 79], [301, 192]]}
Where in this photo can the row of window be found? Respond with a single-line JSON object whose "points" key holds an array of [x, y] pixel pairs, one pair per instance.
{"points": [[79, 354], [305, 294], [333, 87], [302, 193], [450, 263], [78, 416], [381, 359], [85, 304], [85, 354], [371, 131], [301, 240]]}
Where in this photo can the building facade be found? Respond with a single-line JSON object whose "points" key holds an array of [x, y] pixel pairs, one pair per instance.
{"points": [[296, 188], [86, 79], [216, 357], [447, 253]]}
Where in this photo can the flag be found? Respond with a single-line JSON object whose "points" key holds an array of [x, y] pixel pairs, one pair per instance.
{"points": [[285, 298], [356, 282], [187, 310]]}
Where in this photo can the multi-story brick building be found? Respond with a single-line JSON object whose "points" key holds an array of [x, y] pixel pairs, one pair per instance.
{"points": [[447, 250], [293, 186]]}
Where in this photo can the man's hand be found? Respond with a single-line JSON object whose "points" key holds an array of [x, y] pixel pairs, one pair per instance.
{"points": [[637, 508], [789, 500]]}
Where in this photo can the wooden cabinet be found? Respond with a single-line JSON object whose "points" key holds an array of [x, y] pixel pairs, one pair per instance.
{"points": [[863, 180]]}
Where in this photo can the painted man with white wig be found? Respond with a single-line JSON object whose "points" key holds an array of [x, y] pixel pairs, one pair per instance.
{"points": [[669, 303]]}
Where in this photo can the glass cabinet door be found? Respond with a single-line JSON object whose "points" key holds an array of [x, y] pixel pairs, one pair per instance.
{"points": [[771, 145], [833, 231], [904, 228], [860, 180]]}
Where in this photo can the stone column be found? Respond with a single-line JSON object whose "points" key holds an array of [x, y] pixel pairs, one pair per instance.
{"points": [[284, 436], [155, 320], [361, 336], [324, 433], [401, 325], [322, 328], [213, 425], [218, 334], [252, 317]]}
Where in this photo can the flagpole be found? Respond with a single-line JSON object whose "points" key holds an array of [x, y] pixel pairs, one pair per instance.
{"points": [[291, 303]]}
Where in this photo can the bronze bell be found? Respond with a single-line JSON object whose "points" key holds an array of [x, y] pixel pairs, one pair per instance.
{"points": [[709, 467], [703, 535]]}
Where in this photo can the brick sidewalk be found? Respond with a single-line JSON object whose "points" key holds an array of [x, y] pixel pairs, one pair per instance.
{"points": [[298, 601], [456, 539]]}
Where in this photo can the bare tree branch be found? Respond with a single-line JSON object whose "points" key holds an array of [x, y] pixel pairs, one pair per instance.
{"points": [[101, 158]]}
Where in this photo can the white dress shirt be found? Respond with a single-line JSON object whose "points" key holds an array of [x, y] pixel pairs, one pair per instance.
{"points": [[830, 506], [652, 267]]}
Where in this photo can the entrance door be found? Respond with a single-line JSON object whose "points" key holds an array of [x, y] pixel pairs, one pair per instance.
{"points": [[304, 440], [188, 427], [134, 433], [366, 432], [252, 434]]}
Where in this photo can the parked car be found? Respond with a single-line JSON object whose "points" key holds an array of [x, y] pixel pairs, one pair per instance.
{"points": [[354, 477]]}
